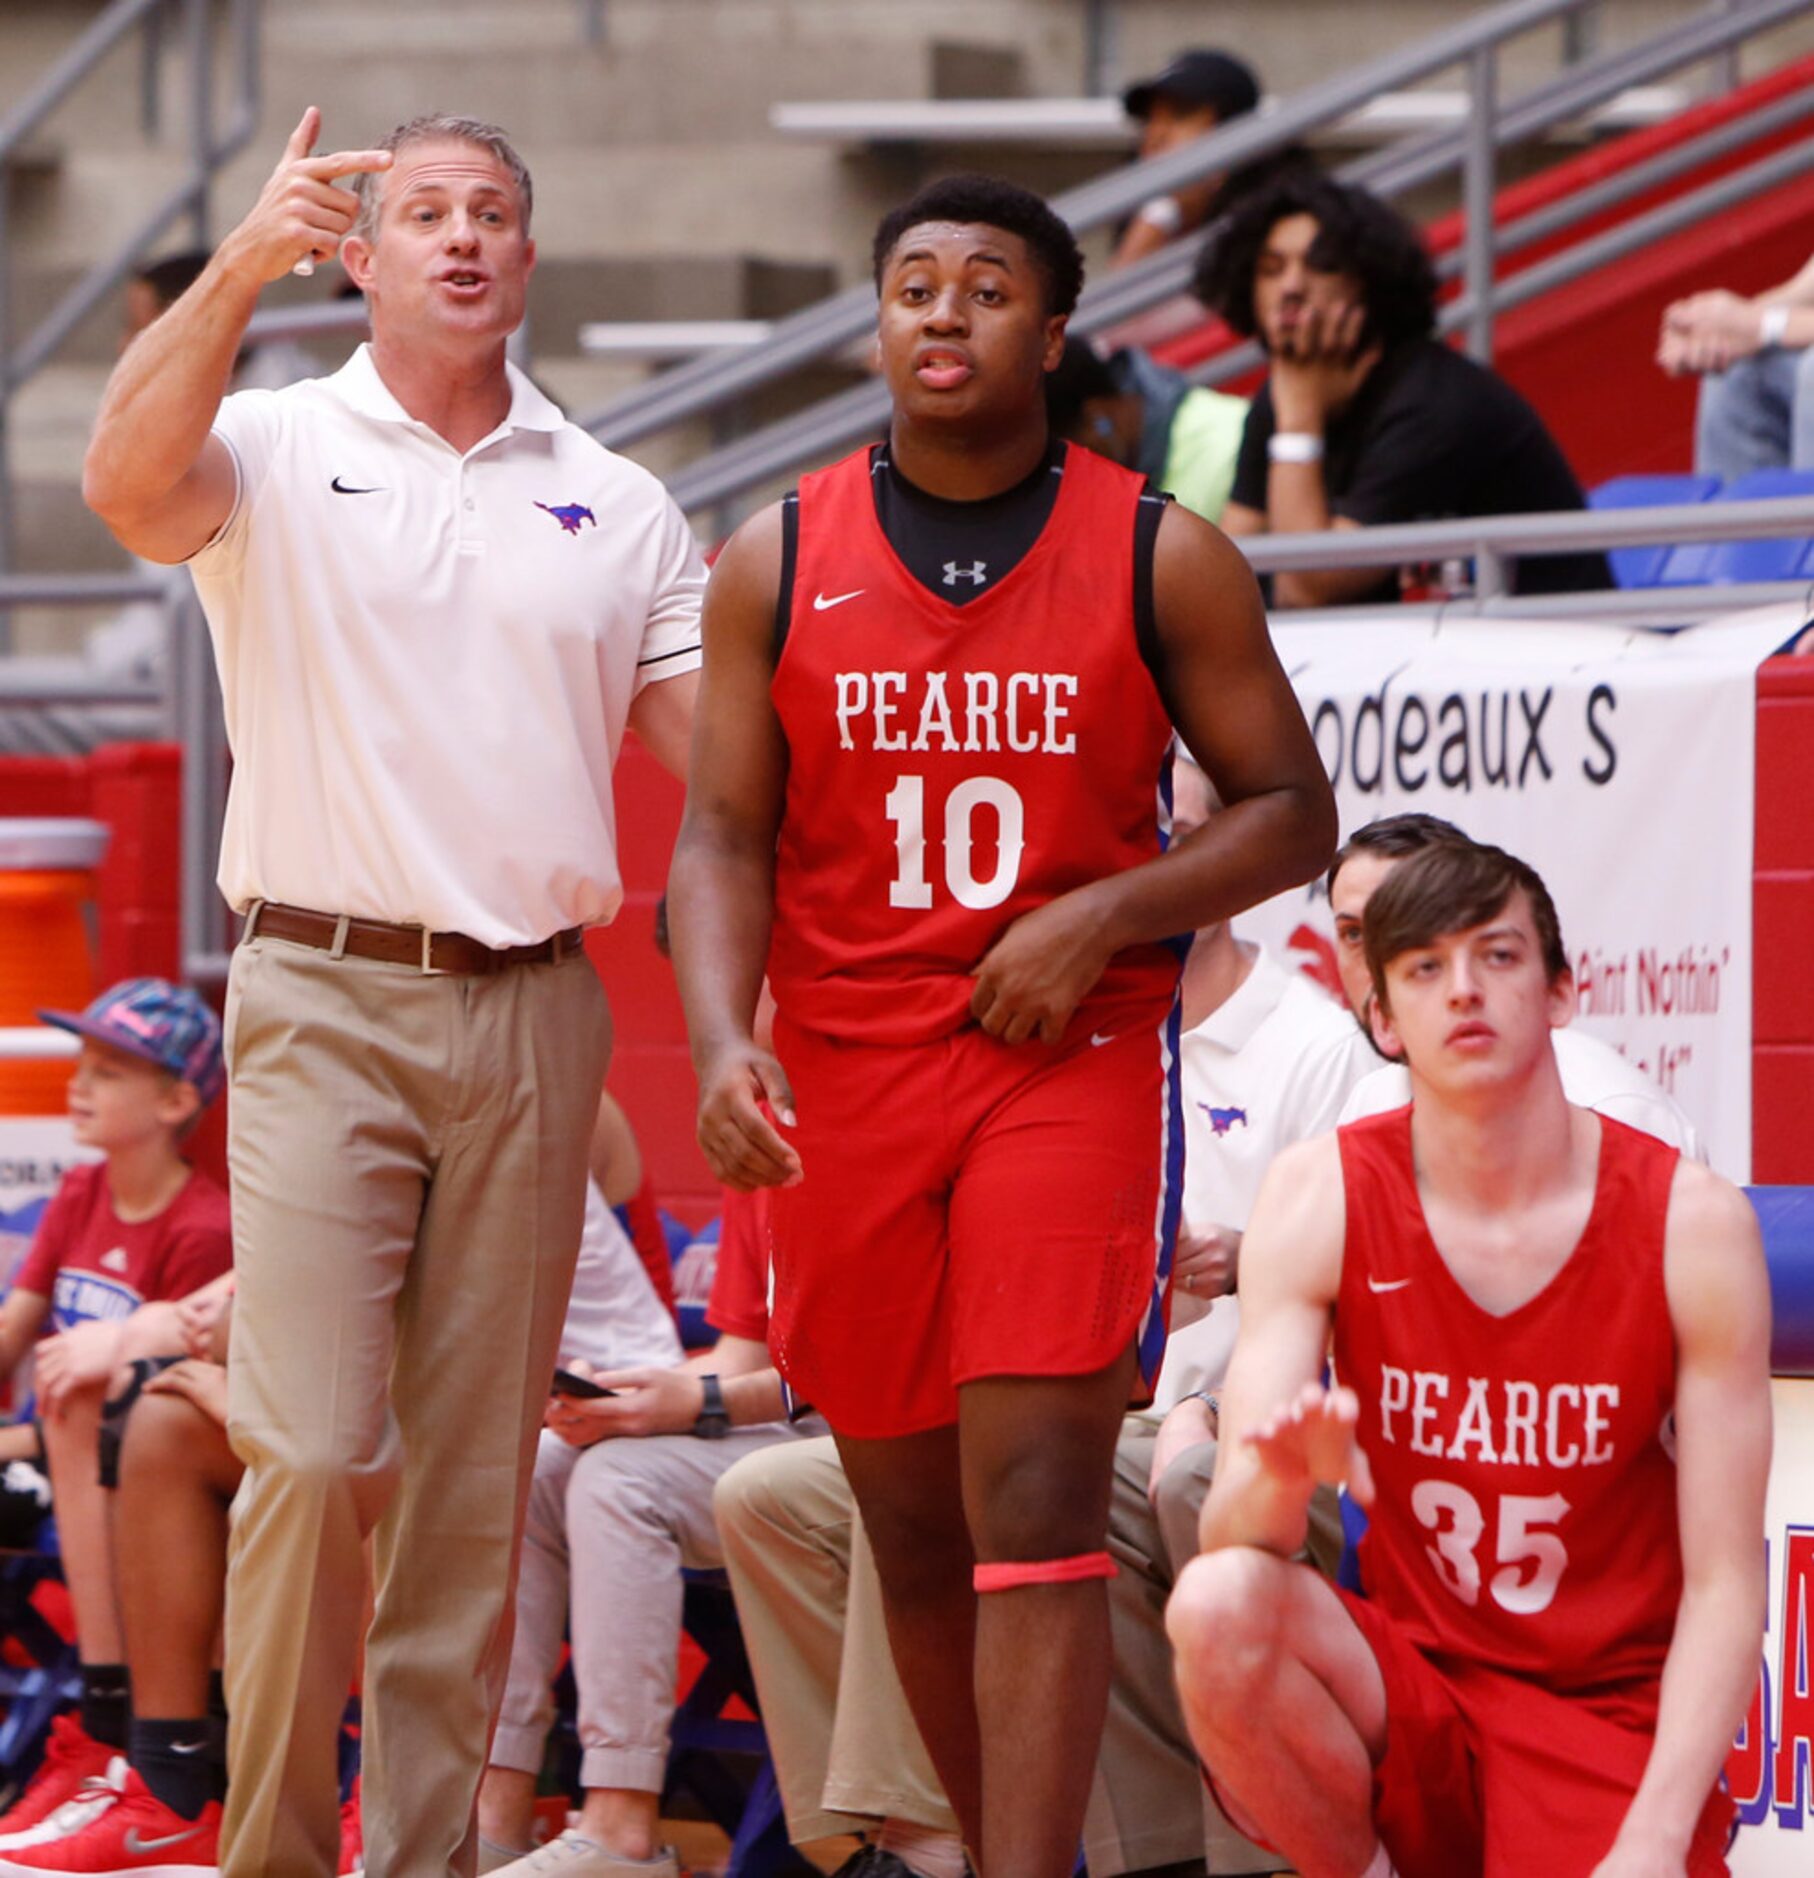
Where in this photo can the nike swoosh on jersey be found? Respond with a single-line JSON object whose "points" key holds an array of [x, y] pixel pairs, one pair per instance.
{"points": [[823, 603], [1097, 1039], [1387, 1284]]}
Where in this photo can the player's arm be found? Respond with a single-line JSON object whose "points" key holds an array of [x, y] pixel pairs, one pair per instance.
{"points": [[1282, 1432], [721, 888], [1235, 709], [155, 473], [1719, 1306]]}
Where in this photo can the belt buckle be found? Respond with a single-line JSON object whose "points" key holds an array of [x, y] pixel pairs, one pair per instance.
{"points": [[429, 968]]}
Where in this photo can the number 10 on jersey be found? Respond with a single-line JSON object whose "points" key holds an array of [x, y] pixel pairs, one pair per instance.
{"points": [[905, 804]]}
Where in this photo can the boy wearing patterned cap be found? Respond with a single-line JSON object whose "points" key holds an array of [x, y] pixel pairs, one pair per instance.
{"points": [[140, 1226]]}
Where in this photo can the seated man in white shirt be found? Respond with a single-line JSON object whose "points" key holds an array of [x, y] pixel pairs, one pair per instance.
{"points": [[1594, 1075]]}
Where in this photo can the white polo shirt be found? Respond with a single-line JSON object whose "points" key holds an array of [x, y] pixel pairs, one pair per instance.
{"points": [[1594, 1076], [427, 657], [1272, 1064]]}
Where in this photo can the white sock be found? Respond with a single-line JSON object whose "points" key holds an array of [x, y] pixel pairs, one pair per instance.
{"points": [[1380, 1866], [931, 1853]]}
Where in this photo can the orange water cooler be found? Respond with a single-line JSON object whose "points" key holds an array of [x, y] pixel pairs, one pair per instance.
{"points": [[47, 945]]}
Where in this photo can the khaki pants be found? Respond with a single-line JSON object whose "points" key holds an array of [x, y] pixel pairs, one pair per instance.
{"points": [[408, 1155], [846, 1748]]}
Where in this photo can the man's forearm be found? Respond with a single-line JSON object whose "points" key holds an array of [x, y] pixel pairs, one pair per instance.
{"points": [[1708, 1677], [161, 401], [720, 907], [1246, 853], [1253, 1508]]}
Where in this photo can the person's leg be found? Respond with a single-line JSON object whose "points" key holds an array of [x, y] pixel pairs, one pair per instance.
{"points": [[507, 1792], [329, 1166], [177, 1479], [637, 1511], [1285, 1701], [478, 1326], [909, 1491], [785, 1517], [1037, 1456], [1145, 1809], [878, 1761], [1744, 417], [84, 1533]]}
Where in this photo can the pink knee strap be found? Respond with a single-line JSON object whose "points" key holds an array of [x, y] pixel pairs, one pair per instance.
{"points": [[1011, 1574]]}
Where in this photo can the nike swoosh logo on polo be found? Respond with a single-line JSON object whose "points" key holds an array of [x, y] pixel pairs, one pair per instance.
{"points": [[1387, 1284], [347, 489], [823, 603], [136, 1843]]}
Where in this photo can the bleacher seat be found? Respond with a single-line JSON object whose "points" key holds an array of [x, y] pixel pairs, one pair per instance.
{"points": [[1643, 567], [1726, 563]]}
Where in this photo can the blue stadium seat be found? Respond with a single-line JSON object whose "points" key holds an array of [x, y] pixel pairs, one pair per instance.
{"points": [[1643, 567], [1725, 563]]}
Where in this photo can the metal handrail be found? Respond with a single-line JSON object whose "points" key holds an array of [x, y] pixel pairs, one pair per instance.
{"points": [[209, 150], [847, 417]]}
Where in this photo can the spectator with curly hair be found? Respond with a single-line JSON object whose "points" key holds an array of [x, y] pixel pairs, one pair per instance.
{"points": [[1365, 416]]}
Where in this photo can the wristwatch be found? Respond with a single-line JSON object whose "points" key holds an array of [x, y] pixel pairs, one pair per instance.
{"points": [[714, 1419], [1209, 1401]]}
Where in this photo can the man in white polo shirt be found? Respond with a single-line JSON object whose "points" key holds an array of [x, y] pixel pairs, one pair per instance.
{"points": [[435, 605]]}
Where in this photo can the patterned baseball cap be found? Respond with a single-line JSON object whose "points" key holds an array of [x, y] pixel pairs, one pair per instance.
{"points": [[166, 1024]]}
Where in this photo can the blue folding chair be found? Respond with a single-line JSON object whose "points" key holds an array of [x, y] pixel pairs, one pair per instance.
{"points": [[1643, 567], [1730, 563]]}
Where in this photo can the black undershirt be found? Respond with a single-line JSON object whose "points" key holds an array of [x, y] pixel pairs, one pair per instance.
{"points": [[957, 550]]}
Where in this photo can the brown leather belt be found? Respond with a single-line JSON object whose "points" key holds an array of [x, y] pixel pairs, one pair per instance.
{"points": [[402, 945]]}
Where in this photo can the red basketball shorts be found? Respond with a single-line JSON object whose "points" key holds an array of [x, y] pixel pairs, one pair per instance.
{"points": [[1491, 1774], [971, 1210]]}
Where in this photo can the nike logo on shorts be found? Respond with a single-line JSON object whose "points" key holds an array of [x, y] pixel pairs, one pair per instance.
{"points": [[823, 603], [1387, 1284]]}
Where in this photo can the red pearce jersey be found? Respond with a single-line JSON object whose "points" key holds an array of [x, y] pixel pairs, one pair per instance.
{"points": [[951, 768], [1526, 1510]]}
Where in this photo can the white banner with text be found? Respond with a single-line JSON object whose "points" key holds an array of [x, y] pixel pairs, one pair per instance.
{"points": [[1619, 762]]}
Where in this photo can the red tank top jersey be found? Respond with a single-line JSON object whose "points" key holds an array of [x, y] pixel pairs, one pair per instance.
{"points": [[952, 768], [1526, 1509]]}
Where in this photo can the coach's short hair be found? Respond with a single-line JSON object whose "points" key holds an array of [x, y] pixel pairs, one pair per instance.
{"points": [[1448, 888], [1396, 837], [439, 127], [999, 204]]}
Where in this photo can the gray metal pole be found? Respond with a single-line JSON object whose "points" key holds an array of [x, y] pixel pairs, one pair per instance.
{"points": [[199, 46], [1723, 68], [1098, 47], [1478, 178]]}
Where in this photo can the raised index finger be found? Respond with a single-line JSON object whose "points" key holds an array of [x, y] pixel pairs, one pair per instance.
{"points": [[346, 163], [302, 138]]}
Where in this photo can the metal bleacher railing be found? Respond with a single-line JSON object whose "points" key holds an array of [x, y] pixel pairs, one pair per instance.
{"points": [[209, 147], [710, 384]]}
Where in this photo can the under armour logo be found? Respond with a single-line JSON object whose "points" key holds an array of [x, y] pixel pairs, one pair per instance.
{"points": [[976, 573]]}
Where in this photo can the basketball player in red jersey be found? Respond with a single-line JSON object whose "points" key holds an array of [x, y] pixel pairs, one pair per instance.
{"points": [[1551, 1340], [927, 795]]}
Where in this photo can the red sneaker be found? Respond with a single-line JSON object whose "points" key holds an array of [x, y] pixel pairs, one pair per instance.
{"points": [[138, 1833], [72, 1758], [352, 1841]]}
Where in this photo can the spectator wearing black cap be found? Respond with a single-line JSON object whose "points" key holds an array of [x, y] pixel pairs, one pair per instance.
{"points": [[1196, 93]]}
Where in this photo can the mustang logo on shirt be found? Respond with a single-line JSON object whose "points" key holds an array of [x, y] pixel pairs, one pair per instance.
{"points": [[570, 515], [1222, 1120]]}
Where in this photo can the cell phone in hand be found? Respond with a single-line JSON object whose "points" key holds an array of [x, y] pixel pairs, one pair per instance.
{"points": [[580, 1388]]}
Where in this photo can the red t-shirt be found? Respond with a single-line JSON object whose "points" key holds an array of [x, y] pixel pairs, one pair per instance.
{"points": [[92, 1264], [739, 1302]]}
